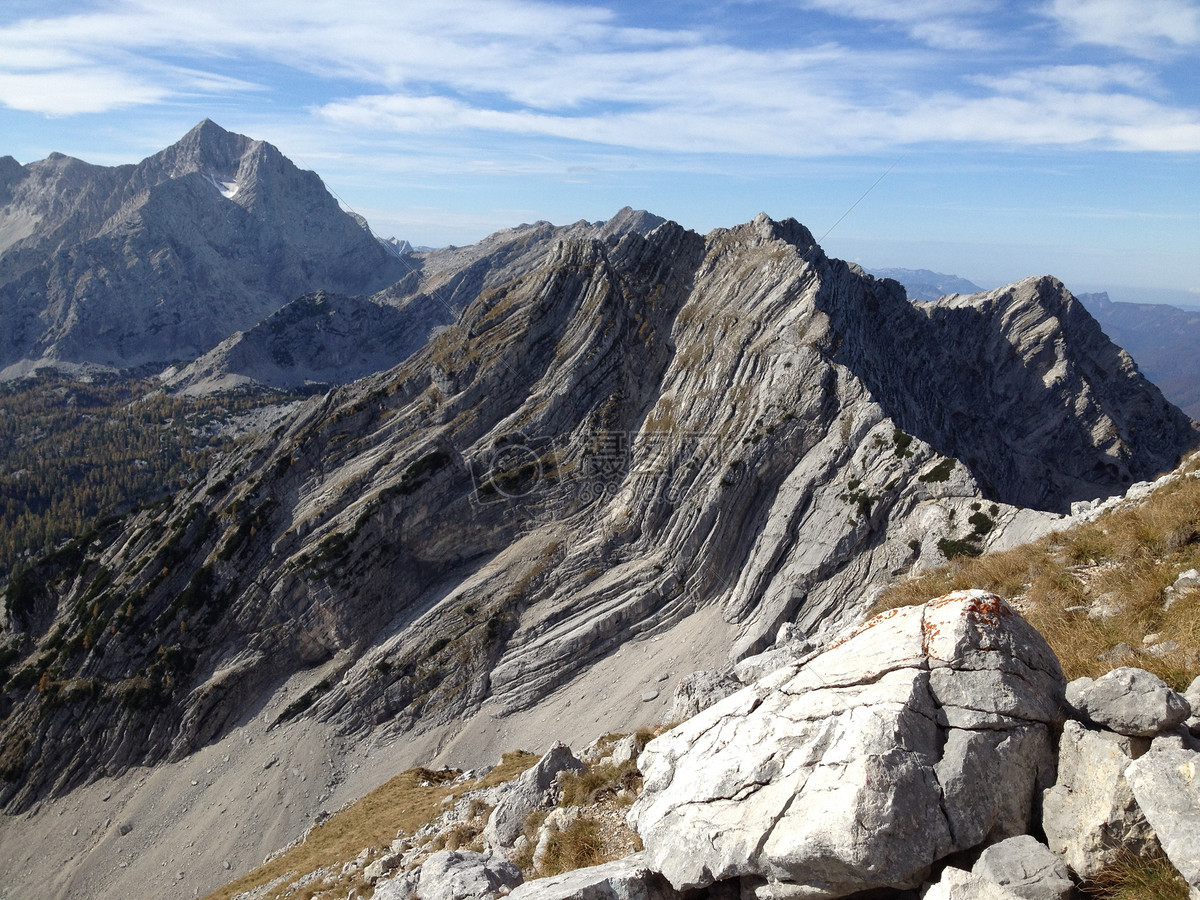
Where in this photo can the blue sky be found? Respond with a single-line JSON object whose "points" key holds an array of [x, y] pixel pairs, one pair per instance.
{"points": [[1055, 136]]}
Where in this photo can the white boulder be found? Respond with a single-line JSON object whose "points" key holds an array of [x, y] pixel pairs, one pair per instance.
{"points": [[1026, 868], [454, 875], [625, 879], [923, 732], [1091, 813], [1192, 696], [1166, 784], [1129, 701]]}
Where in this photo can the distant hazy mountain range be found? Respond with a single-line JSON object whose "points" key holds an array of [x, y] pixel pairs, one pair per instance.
{"points": [[1164, 340], [922, 284]]}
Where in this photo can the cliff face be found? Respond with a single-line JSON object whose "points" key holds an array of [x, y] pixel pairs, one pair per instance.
{"points": [[158, 262], [1068, 416], [627, 424]]}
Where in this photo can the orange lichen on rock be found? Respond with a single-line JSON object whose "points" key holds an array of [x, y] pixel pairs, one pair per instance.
{"points": [[866, 626]]}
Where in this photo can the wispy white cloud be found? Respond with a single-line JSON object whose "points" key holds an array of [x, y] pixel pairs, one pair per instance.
{"points": [[1136, 27], [945, 24], [1089, 78], [574, 72], [819, 128], [69, 91], [1055, 118]]}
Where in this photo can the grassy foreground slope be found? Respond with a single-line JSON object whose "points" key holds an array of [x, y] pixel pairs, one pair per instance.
{"points": [[410, 809], [1102, 593]]}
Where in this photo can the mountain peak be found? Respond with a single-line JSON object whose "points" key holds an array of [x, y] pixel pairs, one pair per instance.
{"points": [[629, 219], [207, 148], [217, 221], [788, 230], [208, 126], [208, 134]]}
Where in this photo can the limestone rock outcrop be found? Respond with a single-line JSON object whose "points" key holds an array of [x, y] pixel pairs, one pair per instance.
{"points": [[1026, 868], [453, 875], [698, 691], [1090, 815], [925, 732], [1192, 696], [527, 793], [624, 879], [1128, 701], [1166, 785]]}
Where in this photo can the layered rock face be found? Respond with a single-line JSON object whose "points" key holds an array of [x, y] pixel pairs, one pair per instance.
{"points": [[1068, 414], [628, 423], [158, 262], [925, 733]]}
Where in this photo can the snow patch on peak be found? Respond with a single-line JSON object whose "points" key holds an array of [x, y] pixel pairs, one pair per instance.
{"points": [[227, 188]]}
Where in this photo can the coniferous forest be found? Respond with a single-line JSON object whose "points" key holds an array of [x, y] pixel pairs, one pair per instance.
{"points": [[73, 453]]}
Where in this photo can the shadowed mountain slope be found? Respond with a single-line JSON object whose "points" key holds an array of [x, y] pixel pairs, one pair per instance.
{"points": [[1164, 339]]}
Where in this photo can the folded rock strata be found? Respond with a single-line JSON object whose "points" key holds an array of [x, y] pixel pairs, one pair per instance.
{"points": [[629, 424]]}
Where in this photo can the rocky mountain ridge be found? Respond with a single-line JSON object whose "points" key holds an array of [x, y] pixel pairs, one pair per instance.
{"points": [[315, 341], [626, 429], [157, 262], [629, 424], [1161, 338]]}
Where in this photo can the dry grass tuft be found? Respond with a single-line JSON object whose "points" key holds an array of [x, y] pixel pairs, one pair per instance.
{"points": [[1138, 878], [407, 802], [465, 836], [1128, 556], [533, 822], [579, 845], [512, 764], [586, 787]]}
